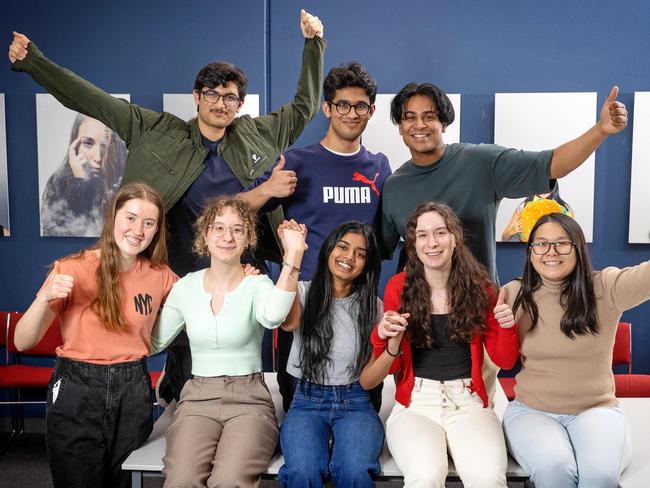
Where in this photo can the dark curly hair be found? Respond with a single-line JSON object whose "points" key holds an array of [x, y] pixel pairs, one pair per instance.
{"points": [[446, 112], [349, 75], [469, 288], [219, 74]]}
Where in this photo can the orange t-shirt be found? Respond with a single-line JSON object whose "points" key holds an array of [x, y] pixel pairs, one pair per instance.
{"points": [[143, 289]]}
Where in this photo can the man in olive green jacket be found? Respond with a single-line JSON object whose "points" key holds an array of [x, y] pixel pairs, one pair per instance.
{"points": [[167, 152], [189, 162]]}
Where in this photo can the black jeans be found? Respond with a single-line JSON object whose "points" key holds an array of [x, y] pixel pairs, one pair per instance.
{"points": [[96, 415]]}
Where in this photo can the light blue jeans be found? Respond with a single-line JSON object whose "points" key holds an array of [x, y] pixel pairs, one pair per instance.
{"points": [[589, 450]]}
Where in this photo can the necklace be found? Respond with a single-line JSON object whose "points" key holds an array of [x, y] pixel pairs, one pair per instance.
{"points": [[443, 297]]}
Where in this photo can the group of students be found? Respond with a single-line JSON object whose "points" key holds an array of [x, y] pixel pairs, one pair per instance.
{"points": [[119, 301], [438, 317]]}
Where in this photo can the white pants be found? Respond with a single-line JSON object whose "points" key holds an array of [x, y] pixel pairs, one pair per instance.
{"points": [[447, 417]]}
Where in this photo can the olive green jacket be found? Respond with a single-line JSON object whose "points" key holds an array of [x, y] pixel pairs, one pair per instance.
{"points": [[168, 153]]}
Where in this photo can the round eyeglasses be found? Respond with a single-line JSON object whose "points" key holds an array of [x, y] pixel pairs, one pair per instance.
{"points": [[237, 232], [343, 108], [543, 247]]}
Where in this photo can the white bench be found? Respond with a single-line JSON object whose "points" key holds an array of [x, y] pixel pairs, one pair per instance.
{"points": [[148, 459]]}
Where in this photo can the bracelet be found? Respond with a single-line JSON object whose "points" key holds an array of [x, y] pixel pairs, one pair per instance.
{"points": [[399, 351], [293, 268]]}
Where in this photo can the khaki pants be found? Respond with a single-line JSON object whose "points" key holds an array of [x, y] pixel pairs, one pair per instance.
{"points": [[224, 433]]}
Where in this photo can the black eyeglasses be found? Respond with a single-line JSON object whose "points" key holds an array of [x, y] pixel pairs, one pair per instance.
{"points": [[343, 108], [212, 96], [543, 247]]}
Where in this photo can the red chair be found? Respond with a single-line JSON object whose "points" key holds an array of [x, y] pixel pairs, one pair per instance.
{"points": [[623, 346], [15, 375], [4, 316], [632, 385], [622, 356]]}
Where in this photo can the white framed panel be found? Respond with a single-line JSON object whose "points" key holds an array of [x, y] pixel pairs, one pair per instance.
{"points": [[182, 105], [72, 202], [530, 121], [640, 185], [4, 180], [382, 136]]}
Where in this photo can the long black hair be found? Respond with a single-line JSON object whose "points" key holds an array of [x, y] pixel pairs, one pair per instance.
{"points": [[316, 329], [578, 298], [553, 195]]}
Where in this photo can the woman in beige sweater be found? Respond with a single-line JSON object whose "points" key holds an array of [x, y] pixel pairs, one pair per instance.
{"points": [[565, 426]]}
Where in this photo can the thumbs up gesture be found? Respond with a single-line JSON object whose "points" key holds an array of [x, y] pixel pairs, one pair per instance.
{"points": [[282, 182], [503, 312], [613, 114]]}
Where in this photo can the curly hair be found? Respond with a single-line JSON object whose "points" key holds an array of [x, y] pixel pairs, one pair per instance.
{"points": [[469, 288], [215, 207], [219, 74]]}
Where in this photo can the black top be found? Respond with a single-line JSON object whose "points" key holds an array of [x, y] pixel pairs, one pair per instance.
{"points": [[446, 360]]}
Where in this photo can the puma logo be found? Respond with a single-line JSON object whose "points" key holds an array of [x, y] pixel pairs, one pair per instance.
{"points": [[356, 176]]}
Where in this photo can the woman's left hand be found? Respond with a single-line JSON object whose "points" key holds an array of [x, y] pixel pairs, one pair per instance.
{"points": [[503, 312]]}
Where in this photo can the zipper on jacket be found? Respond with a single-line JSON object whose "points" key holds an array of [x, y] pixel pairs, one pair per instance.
{"points": [[256, 165], [169, 170]]}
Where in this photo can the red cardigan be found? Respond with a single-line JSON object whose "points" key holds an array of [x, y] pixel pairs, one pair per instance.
{"points": [[502, 346]]}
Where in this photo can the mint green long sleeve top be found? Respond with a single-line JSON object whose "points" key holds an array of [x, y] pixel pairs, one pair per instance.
{"points": [[228, 343]]}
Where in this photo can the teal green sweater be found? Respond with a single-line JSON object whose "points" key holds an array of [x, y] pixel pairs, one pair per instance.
{"points": [[230, 342]]}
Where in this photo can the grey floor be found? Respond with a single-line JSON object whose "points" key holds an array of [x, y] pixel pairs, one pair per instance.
{"points": [[25, 465]]}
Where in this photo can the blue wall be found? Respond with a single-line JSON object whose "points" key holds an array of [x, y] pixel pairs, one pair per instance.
{"points": [[475, 48]]}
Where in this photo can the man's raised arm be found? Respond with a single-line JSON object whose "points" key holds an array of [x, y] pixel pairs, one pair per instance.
{"points": [[570, 155], [74, 92], [287, 123]]}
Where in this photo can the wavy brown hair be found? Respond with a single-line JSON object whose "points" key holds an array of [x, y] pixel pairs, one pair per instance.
{"points": [[216, 206], [108, 304], [469, 288]]}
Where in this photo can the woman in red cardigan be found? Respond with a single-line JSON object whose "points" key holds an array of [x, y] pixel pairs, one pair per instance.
{"points": [[445, 298]]}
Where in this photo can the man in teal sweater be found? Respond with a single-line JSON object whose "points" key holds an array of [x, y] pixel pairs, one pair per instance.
{"points": [[190, 162]]}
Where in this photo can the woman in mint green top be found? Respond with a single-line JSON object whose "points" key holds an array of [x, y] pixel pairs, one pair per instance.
{"points": [[224, 430]]}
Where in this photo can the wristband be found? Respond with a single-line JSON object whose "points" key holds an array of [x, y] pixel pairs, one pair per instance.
{"points": [[293, 268], [399, 351]]}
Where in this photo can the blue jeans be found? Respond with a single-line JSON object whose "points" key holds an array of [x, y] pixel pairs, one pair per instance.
{"points": [[346, 414], [589, 450]]}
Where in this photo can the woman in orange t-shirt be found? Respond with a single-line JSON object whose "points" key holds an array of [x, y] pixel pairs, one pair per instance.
{"points": [[107, 298]]}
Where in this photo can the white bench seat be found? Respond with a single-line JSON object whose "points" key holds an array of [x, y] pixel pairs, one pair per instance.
{"points": [[148, 458]]}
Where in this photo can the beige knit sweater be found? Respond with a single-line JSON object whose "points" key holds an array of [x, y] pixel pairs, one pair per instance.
{"points": [[568, 376]]}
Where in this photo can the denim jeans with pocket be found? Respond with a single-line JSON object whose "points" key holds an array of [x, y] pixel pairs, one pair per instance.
{"points": [[342, 414], [96, 415]]}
